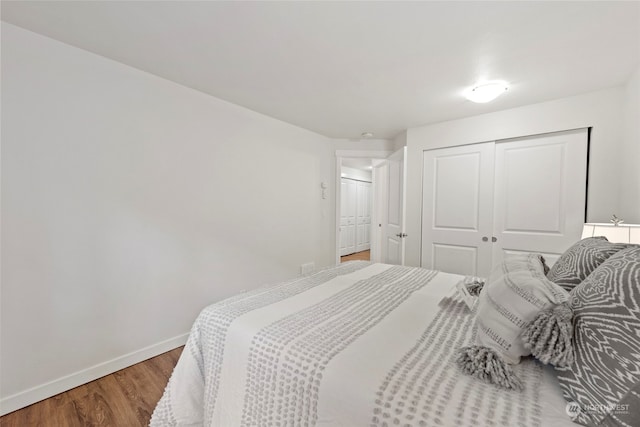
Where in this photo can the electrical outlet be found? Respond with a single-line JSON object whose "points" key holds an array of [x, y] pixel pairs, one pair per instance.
{"points": [[307, 268]]}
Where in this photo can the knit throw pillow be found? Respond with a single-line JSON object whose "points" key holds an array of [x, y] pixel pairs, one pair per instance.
{"points": [[514, 294], [603, 383], [516, 291], [577, 262]]}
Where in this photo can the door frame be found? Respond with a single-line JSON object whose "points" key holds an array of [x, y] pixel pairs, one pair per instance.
{"points": [[360, 154]]}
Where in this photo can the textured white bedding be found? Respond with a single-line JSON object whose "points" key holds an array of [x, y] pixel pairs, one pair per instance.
{"points": [[361, 344]]}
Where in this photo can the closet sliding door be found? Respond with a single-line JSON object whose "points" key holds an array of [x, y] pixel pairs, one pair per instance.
{"points": [[456, 208], [482, 202], [540, 194]]}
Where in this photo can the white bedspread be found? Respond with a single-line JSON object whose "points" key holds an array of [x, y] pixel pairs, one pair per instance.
{"points": [[361, 344]]}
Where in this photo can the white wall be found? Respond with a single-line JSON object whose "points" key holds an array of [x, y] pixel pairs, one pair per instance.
{"points": [[362, 144], [128, 204], [602, 110], [630, 153], [400, 141]]}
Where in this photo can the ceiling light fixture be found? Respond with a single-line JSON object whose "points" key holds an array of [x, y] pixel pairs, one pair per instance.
{"points": [[366, 134], [486, 92]]}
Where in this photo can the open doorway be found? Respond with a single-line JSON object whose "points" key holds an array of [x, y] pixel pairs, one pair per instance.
{"points": [[357, 224], [355, 209], [385, 222]]}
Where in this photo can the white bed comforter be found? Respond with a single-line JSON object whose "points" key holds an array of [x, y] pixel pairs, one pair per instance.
{"points": [[361, 344]]}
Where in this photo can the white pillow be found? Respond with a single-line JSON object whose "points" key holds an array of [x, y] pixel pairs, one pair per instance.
{"points": [[515, 293]]}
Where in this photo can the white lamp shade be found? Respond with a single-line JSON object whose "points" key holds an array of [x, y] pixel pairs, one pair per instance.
{"points": [[624, 233], [587, 231]]}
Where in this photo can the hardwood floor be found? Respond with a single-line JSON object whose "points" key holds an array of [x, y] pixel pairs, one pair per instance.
{"points": [[358, 256], [123, 399]]}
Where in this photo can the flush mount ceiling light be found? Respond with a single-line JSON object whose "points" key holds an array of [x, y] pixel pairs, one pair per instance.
{"points": [[486, 92]]}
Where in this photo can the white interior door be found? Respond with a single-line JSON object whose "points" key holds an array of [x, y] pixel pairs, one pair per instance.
{"points": [[379, 210], [457, 209], [395, 212], [540, 190], [347, 217], [363, 216]]}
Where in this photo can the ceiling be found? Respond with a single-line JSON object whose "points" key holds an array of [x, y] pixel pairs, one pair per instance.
{"points": [[343, 68]]}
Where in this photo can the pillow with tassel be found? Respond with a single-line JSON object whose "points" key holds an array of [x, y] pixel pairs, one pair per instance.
{"points": [[603, 382], [517, 297]]}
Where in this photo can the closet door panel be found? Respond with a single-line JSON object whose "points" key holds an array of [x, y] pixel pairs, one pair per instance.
{"points": [[539, 199], [457, 209], [347, 217], [530, 197], [461, 259], [364, 216], [457, 174]]}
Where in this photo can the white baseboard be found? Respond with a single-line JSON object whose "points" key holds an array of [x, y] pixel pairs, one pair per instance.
{"points": [[44, 391]]}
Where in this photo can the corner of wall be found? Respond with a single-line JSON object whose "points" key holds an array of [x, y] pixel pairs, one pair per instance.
{"points": [[400, 140], [629, 190]]}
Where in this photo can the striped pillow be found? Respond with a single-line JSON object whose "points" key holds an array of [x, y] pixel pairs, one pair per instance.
{"points": [[516, 291], [603, 382], [581, 259]]}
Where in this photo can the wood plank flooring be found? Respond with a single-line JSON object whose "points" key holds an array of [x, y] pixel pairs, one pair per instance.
{"points": [[358, 256], [123, 399]]}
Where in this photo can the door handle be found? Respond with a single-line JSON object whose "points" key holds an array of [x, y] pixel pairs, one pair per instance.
{"points": [[485, 239], [401, 235], [494, 239]]}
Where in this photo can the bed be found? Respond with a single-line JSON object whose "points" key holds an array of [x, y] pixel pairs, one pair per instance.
{"points": [[355, 345]]}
